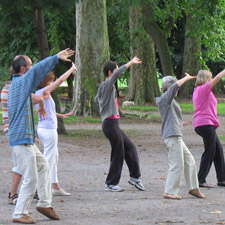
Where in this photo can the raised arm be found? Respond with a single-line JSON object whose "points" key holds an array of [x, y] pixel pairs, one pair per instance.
{"points": [[185, 79], [122, 69], [135, 60], [217, 78], [61, 79]]}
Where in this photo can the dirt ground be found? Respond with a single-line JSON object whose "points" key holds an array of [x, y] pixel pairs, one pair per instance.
{"points": [[83, 166]]}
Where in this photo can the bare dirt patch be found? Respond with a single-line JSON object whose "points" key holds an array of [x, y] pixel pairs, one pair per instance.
{"points": [[83, 166]]}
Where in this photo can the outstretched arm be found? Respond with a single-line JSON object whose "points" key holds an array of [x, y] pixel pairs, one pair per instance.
{"points": [[217, 78], [64, 116], [61, 79], [185, 79], [135, 60]]}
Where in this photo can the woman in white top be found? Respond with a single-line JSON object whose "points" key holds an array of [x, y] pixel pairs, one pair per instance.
{"points": [[47, 127]]}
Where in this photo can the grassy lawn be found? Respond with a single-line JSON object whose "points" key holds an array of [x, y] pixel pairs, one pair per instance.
{"points": [[140, 111]]}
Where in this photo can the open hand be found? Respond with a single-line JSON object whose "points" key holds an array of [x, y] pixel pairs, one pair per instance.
{"points": [[65, 54], [43, 113], [136, 60]]}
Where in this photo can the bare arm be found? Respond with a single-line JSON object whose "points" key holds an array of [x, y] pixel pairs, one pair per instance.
{"points": [[61, 79], [135, 60], [217, 78], [64, 116], [36, 99], [185, 79]]}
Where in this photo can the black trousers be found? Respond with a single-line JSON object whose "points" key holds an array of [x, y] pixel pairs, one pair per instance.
{"points": [[213, 153], [121, 148]]}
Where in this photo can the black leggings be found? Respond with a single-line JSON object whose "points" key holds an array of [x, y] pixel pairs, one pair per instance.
{"points": [[121, 148], [213, 152]]}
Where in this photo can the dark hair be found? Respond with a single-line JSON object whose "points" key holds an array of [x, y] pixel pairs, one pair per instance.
{"points": [[109, 66], [18, 62], [50, 77]]}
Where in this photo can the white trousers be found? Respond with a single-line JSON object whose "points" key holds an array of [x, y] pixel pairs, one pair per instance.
{"points": [[180, 161], [49, 139], [35, 172]]}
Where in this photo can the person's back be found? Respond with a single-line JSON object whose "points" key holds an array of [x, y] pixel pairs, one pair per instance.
{"points": [[172, 123]]}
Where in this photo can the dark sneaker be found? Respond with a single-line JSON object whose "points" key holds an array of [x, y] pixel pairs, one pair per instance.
{"points": [[137, 183], [25, 220], [12, 199], [114, 188], [49, 212]]}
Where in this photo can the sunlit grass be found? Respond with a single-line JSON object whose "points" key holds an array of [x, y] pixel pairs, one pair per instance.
{"points": [[187, 107]]}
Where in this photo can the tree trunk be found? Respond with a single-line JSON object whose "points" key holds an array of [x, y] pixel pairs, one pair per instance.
{"points": [[143, 85], [159, 37], [44, 52], [92, 50], [70, 87], [191, 62], [41, 31]]}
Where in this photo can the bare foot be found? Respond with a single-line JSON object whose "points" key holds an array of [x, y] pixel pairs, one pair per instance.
{"points": [[196, 193], [171, 196]]}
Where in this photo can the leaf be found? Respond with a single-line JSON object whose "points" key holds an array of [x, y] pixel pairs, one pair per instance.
{"points": [[215, 212]]}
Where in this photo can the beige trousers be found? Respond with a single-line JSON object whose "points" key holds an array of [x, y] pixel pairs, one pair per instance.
{"points": [[180, 161], [35, 173]]}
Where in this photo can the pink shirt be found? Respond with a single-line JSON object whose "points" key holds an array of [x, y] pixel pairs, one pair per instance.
{"points": [[205, 105], [118, 115]]}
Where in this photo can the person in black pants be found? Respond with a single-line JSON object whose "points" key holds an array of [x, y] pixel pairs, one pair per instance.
{"points": [[205, 125], [121, 146]]}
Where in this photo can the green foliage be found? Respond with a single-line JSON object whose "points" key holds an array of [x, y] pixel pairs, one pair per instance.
{"points": [[118, 30]]}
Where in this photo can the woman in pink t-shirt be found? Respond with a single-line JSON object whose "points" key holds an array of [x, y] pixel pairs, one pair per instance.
{"points": [[205, 124]]}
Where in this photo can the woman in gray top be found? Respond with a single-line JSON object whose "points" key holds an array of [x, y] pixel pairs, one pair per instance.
{"points": [[121, 146], [180, 158]]}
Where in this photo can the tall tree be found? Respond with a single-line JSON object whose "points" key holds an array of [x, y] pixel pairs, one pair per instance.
{"points": [[159, 35], [44, 52], [191, 60], [92, 50], [143, 83]]}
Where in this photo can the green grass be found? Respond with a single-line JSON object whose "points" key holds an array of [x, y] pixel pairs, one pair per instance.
{"points": [[141, 108], [187, 107]]}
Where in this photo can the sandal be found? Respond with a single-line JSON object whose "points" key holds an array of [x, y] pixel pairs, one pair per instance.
{"points": [[196, 193], [13, 199], [205, 185], [171, 196]]}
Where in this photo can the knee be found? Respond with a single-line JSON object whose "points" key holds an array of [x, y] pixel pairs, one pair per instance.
{"points": [[178, 168], [31, 181]]}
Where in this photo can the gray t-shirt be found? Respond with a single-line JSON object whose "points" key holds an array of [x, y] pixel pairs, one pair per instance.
{"points": [[172, 123], [106, 94]]}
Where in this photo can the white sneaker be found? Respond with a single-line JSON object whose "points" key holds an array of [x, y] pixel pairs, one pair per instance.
{"points": [[114, 188], [137, 183], [59, 192]]}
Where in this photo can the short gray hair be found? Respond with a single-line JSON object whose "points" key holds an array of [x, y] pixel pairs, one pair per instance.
{"points": [[167, 81]]}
